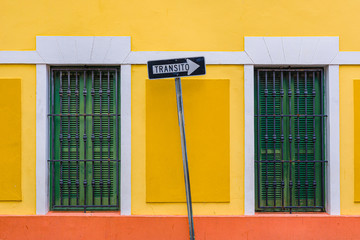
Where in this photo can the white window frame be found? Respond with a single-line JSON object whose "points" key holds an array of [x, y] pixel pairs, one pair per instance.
{"points": [[81, 51], [305, 52]]}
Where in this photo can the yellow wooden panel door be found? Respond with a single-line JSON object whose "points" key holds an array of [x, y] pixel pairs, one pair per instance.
{"points": [[207, 126], [10, 140]]}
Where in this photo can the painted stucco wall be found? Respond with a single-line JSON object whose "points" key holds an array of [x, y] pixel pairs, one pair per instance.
{"points": [[348, 74], [26, 203], [159, 25], [235, 205]]}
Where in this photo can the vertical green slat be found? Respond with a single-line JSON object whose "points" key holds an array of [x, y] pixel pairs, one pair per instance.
{"points": [[81, 142]]}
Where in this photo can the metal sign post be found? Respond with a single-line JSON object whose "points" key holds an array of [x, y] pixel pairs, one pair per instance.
{"points": [[176, 68], [180, 109]]}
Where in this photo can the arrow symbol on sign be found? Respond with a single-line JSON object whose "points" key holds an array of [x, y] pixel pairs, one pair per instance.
{"points": [[192, 66], [188, 67]]}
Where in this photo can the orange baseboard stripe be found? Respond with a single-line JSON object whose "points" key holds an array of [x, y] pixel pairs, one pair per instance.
{"points": [[292, 227]]}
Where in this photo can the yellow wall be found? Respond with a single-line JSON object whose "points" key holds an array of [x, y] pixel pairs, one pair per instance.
{"points": [[138, 145], [159, 25], [201, 25], [347, 76], [26, 73]]}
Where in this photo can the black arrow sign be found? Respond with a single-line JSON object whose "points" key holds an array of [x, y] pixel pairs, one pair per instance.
{"points": [[180, 67]]}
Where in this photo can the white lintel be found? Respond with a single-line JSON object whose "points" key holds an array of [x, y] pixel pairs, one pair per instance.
{"points": [[83, 50], [292, 50]]}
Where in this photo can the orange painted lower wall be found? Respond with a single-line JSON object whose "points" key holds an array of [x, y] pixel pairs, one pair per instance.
{"points": [[113, 226]]}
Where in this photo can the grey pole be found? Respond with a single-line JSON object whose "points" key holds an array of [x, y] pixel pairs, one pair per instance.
{"points": [[184, 156]]}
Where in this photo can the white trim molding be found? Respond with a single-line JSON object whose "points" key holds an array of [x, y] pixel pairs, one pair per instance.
{"points": [[83, 50], [332, 140], [295, 51], [20, 57], [125, 187], [210, 57], [249, 140], [117, 51], [292, 50], [347, 58], [42, 146], [78, 51]]}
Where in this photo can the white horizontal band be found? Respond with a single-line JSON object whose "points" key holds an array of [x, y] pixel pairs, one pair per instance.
{"points": [[210, 57], [116, 50]]}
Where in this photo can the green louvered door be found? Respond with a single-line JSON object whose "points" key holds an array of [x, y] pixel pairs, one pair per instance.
{"points": [[289, 140], [84, 120]]}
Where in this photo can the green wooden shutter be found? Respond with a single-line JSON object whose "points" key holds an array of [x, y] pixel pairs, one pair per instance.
{"points": [[272, 160], [95, 166], [107, 168]]}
